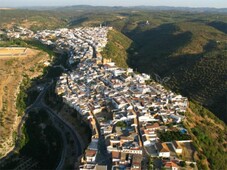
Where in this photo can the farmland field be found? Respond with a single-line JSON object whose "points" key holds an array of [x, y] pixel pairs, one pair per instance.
{"points": [[12, 51]]}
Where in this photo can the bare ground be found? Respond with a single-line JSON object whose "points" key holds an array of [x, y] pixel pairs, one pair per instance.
{"points": [[11, 73]]}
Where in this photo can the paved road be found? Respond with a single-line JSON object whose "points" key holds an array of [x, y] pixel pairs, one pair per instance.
{"points": [[57, 120], [23, 119], [39, 103], [78, 143], [74, 133], [60, 66]]}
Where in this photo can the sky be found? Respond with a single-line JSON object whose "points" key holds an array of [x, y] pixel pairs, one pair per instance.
{"points": [[175, 3]]}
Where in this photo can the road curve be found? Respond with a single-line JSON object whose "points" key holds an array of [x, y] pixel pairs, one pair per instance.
{"points": [[39, 104]]}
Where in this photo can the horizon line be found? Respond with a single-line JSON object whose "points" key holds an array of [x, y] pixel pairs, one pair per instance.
{"points": [[124, 6]]}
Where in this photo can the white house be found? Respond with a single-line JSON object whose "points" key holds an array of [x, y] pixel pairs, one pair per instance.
{"points": [[177, 147], [90, 155], [162, 150]]}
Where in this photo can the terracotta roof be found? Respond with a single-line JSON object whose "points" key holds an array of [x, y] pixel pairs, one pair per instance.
{"points": [[170, 165], [116, 155], [123, 156], [137, 159], [90, 153], [162, 147], [154, 126], [136, 148], [123, 138]]}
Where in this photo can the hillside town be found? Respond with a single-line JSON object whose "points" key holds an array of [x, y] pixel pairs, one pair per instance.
{"points": [[131, 117]]}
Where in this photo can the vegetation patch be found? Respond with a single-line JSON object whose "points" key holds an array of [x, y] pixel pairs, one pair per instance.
{"points": [[121, 124], [222, 26], [116, 48], [169, 136], [40, 147], [22, 96], [209, 136]]}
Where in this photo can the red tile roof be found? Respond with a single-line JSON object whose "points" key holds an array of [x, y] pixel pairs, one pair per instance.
{"points": [[90, 153], [170, 165], [154, 126], [116, 155]]}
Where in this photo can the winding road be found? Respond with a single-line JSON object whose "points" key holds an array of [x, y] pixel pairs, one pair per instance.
{"points": [[61, 125]]}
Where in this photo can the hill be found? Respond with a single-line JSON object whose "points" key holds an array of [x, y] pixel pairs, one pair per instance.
{"points": [[15, 72], [188, 48], [116, 48], [207, 131], [209, 136], [192, 54]]}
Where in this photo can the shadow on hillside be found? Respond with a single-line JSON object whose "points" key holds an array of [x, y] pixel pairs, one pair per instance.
{"points": [[78, 21], [152, 48], [38, 144], [221, 26], [191, 74]]}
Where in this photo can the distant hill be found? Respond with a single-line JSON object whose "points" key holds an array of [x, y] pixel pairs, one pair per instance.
{"points": [[169, 8], [154, 8], [221, 26], [90, 8]]}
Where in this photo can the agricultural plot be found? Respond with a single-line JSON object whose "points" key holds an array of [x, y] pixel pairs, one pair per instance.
{"points": [[12, 52], [189, 151]]}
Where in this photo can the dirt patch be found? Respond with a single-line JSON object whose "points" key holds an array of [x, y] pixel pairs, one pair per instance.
{"points": [[12, 69], [12, 52], [7, 9], [189, 152], [121, 17]]}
